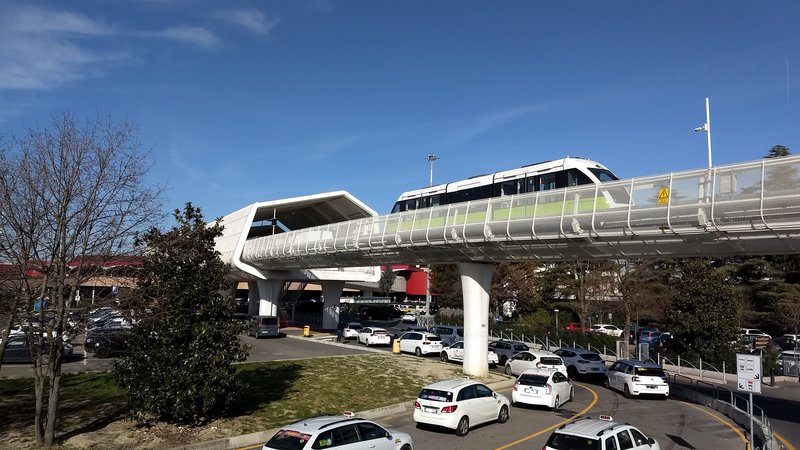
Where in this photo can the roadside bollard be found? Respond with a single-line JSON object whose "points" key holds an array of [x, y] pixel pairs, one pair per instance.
{"points": [[396, 346], [306, 331]]}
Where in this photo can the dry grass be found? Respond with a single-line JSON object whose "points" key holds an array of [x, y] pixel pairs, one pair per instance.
{"points": [[92, 410]]}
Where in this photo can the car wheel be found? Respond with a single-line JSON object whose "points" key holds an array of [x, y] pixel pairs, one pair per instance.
{"points": [[556, 404], [571, 394], [463, 426], [444, 357], [503, 416], [503, 360], [606, 384], [102, 352], [406, 447], [508, 370], [626, 391], [572, 372], [417, 352]]}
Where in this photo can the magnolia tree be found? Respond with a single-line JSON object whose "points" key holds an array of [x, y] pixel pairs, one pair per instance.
{"points": [[72, 196]]}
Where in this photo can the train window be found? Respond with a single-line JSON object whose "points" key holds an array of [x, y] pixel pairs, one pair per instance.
{"points": [[411, 205], [397, 207], [436, 200], [530, 184], [575, 177], [509, 187], [603, 175], [425, 202], [547, 182]]}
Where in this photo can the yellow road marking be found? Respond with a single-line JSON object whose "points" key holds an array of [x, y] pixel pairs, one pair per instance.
{"points": [[583, 411], [784, 441], [721, 420]]}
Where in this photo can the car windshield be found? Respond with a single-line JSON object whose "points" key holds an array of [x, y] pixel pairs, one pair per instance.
{"points": [[377, 332], [433, 338], [649, 372], [550, 361], [288, 440], [355, 326], [436, 395], [532, 380], [560, 441], [591, 357]]}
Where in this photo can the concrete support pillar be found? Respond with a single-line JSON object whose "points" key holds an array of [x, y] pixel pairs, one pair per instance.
{"points": [[269, 293], [331, 295], [476, 282], [252, 298]]}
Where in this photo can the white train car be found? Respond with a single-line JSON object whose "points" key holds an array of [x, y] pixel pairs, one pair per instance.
{"points": [[542, 176]]}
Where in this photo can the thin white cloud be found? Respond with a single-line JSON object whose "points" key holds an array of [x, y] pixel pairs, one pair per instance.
{"points": [[37, 20], [251, 20], [488, 122], [198, 36]]}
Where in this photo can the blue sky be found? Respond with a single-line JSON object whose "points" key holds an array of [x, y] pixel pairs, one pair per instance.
{"points": [[245, 101]]}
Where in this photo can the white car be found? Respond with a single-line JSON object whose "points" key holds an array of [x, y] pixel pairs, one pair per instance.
{"points": [[455, 352], [374, 336], [338, 432], [523, 361], [542, 387], [459, 404], [408, 317], [580, 361], [420, 343], [634, 377], [611, 330], [599, 434], [351, 330]]}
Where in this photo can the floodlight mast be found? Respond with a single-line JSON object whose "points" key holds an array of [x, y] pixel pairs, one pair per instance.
{"points": [[431, 158]]}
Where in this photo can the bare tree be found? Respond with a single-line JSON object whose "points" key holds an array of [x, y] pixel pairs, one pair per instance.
{"points": [[641, 288], [589, 282], [72, 196]]}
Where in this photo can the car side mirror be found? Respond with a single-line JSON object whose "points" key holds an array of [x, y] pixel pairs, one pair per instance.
{"points": [[494, 394], [651, 441], [388, 436]]}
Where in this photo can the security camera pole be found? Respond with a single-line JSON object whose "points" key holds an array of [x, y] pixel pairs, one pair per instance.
{"points": [[707, 128]]}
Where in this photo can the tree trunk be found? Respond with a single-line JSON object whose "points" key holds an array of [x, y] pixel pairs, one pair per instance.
{"points": [[38, 388], [52, 405]]}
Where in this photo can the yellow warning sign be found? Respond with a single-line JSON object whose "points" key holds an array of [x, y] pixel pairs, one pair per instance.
{"points": [[663, 195]]}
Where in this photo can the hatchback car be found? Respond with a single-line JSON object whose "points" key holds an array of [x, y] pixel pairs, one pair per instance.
{"points": [[459, 404], [18, 349], [599, 434], [611, 330], [542, 387], [338, 432], [523, 361], [420, 343], [351, 330], [580, 361], [455, 352], [408, 317], [634, 377], [506, 349], [374, 336]]}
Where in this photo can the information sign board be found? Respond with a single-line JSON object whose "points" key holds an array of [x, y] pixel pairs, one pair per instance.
{"points": [[748, 373]]}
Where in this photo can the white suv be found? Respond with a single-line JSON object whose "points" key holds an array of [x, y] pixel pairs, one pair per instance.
{"points": [[580, 361], [634, 377], [611, 330], [420, 343], [599, 434], [523, 361], [335, 431]]}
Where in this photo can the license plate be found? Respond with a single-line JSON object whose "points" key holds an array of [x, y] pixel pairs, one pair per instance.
{"points": [[652, 387], [429, 409], [595, 369], [532, 391]]}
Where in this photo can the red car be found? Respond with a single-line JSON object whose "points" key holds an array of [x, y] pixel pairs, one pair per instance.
{"points": [[575, 326]]}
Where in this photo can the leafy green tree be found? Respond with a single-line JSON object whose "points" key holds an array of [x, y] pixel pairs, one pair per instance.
{"points": [[778, 151], [704, 312], [387, 280], [446, 284], [180, 364]]}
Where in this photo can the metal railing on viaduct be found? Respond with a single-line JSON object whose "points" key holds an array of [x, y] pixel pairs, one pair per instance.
{"points": [[744, 208]]}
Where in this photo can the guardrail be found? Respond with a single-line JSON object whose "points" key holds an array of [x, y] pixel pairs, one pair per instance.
{"points": [[727, 402]]}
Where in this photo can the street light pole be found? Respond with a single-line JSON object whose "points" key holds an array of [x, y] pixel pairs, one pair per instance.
{"points": [[707, 128], [431, 158], [556, 311]]}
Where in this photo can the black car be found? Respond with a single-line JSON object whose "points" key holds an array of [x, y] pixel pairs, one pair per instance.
{"points": [[378, 313], [105, 342], [18, 349]]}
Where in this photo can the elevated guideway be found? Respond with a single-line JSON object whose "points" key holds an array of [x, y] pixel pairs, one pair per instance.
{"points": [[748, 208]]}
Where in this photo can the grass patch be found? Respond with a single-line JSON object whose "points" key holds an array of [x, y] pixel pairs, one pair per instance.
{"points": [[277, 393]]}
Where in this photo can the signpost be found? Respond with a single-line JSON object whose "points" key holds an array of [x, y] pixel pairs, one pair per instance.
{"points": [[748, 379]]}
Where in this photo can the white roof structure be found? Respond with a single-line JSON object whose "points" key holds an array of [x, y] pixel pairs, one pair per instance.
{"points": [[291, 214]]}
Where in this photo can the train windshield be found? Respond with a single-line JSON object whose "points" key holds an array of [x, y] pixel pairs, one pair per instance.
{"points": [[603, 174]]}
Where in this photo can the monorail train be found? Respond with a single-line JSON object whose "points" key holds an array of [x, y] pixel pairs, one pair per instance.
{"points": [[542, 176]]}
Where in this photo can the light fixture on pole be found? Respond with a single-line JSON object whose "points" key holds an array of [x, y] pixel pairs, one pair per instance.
{"points": [[707, 128], [431, 158], [556, 311]]}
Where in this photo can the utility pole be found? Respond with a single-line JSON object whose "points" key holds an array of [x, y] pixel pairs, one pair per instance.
{"points": [[431, 158], [707, 128]]}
